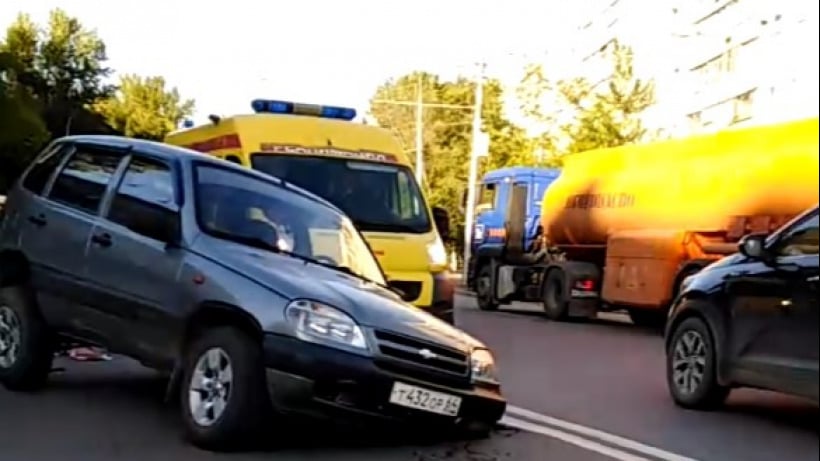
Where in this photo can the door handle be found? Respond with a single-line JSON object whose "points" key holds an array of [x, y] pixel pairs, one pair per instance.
{"points": [[39, 220], [103, 240]]}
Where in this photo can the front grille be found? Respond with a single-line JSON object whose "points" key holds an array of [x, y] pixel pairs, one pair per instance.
{"points": [[403, 354], [411, 290]]}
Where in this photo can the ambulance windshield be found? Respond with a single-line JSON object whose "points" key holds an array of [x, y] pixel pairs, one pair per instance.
{"points": [[378, 197]]}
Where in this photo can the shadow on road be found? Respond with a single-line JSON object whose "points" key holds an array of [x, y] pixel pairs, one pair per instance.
{"points": [[605, 319], [123, 403], [777, 409]]}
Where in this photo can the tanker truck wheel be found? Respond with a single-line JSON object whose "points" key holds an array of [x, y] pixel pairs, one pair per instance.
{"points": [[484, 289], [555, 295]]}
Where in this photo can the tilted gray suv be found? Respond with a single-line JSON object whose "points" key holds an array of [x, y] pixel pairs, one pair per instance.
{"points": [[254, 294]]}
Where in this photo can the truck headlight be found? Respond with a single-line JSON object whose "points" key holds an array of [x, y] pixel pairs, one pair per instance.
{"points": [[482, 367], [316, 322], [437, 253]]}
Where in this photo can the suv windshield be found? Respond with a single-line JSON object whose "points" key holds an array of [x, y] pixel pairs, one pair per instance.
{"points": [[376, 196], [240, 207]]}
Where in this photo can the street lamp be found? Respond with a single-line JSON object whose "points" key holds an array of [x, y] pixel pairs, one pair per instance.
{"points": [[480, 147]]}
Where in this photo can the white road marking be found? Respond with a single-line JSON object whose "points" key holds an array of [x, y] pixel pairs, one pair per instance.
{"points": [[573, 439], [590, 433]]}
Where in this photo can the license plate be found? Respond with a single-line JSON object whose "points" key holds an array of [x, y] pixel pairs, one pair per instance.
{"points": [[422, 399]]}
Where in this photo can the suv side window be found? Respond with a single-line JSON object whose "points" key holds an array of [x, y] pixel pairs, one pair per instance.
{"points": [[43, 168], [802, 239], [84, 179], [144, 202]]}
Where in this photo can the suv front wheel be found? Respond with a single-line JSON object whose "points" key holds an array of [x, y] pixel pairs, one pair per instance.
{"points": [[223, 393]]}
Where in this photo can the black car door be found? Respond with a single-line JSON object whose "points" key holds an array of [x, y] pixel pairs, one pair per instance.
{"points": [[773, 309]]}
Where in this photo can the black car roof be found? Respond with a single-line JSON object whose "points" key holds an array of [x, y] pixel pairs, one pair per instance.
{"points": [[171, 152]]}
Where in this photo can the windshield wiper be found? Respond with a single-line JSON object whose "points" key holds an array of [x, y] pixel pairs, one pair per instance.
{"points": [[386, 227]]}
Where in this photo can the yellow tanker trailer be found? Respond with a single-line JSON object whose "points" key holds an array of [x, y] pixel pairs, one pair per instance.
{"points": [[622, 227]]}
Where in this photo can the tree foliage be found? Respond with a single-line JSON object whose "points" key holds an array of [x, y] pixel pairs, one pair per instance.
{"points": [[578, 115], [52, 78], [143, 107], [447, 133]]}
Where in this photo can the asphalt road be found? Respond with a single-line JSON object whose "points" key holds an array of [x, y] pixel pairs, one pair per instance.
{"points": [[604, 377]]}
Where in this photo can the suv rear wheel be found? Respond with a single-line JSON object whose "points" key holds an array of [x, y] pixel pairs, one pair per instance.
{"points": [[224, 398], [26, 346]]}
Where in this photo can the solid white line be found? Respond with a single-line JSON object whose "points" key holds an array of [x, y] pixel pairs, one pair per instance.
{"points": [[612, 439], [573, 439]]}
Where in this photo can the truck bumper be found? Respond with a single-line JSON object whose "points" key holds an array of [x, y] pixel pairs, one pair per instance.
{"points": [[431, 292]]}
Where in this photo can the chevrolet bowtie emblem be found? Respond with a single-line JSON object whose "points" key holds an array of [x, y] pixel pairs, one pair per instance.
{"points": [[427, 354]]}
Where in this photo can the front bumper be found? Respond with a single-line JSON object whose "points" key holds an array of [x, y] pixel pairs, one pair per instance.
{"points": [[316, 381], [433, 293]]}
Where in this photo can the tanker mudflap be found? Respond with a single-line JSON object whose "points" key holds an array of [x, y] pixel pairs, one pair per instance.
{"points": [[583, 308], [584, 299]]}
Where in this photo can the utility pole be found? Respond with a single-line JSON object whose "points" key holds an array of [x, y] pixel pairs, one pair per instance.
{"points": [[420, 128], [478, 145]]}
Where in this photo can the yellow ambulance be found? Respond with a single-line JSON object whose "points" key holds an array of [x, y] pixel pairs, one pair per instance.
{"points": [[360, 168]]}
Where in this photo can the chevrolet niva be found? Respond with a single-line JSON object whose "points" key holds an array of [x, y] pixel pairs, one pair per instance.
{"points": [[257, 297]]}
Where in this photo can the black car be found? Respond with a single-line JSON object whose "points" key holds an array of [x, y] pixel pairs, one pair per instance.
{"points": [[749, 320]]}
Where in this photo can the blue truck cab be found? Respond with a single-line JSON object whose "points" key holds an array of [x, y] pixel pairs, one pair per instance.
{"points": [[505, 194]]}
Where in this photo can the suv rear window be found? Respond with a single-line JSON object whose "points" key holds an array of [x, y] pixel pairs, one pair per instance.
{"points": [[43, 168], [84, 179]]}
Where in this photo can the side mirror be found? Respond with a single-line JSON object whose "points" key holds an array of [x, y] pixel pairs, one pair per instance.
{"points": [[442, 220], [753, 246]]}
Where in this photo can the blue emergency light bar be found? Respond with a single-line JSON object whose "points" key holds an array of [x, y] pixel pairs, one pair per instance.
{"points": [[270, 106]]}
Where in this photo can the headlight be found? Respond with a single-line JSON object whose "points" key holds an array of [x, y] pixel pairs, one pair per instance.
{"points": [[437, 253], [482, 367], [320, 323]]}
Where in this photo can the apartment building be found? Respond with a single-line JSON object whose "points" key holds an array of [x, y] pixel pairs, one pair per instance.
{"points": [[748, 61], [715, 63]]}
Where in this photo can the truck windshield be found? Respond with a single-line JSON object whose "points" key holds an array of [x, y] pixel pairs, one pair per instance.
{"points": [[376, 196], [242, 208]]}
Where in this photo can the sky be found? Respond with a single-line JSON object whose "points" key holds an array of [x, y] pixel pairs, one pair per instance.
{"points": [[224, 54]]}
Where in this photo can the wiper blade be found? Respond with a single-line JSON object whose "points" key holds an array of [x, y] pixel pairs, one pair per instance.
{"points": [[250, 241], [385, 227]]}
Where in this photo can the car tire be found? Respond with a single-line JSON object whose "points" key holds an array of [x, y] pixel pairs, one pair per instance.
{"points": [[691, 367], [484, 289], [235, 362], [554, 295], [27, 341]]}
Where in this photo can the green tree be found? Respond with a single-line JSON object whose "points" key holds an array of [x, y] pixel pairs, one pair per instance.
{"points": [[22, 130], [608, 118], [143, 107], [447, 133], [576, 115], [63, 65]]}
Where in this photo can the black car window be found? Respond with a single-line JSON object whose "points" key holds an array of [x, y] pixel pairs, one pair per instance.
{"points": [[83, 181], [144, 201], [44, 167], [802, 239]]}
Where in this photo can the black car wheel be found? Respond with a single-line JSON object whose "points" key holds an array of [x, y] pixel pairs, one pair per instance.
{"points": [[484, 289], [26, 346], [224, 399], [691, 367]]}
